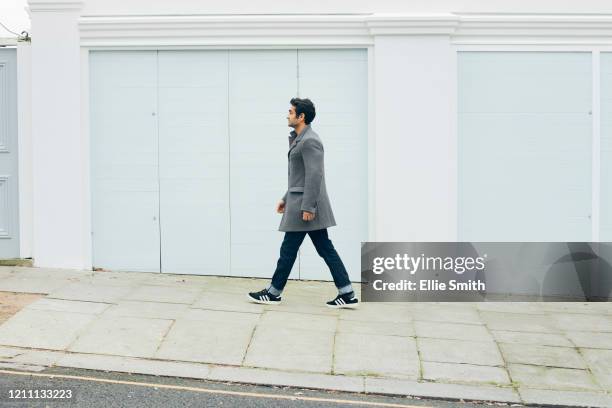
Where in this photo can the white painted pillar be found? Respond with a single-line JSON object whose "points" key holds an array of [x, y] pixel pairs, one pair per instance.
{"points": [[24, 143], [58, 188], [416, 143]]}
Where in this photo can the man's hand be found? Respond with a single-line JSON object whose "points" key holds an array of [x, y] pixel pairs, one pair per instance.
{"points": [[307, 216], [280, 207]]}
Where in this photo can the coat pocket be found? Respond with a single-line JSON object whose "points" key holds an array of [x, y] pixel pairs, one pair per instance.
{"points": [[296, 189]]}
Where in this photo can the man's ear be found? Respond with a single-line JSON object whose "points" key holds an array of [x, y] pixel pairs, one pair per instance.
{"points": [[302, 116]]}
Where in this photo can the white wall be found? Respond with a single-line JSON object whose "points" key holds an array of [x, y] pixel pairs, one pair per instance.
{"points": [[58, 193], [114, 7], [415, 139]]}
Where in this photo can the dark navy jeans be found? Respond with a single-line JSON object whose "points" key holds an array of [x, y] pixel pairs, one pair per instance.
{"points": [[325, 248]]}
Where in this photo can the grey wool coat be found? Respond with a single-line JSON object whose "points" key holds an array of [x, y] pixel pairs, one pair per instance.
{"points": [[306, 190]]}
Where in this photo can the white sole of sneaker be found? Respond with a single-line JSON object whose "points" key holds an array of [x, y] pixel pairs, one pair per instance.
{"points": [[262, 302], [345, 306]]}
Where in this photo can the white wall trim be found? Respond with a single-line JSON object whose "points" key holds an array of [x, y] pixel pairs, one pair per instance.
{"points": [[371, 146], [390, 24], [533, 29], [87, 230], [341, 29], [290, 30], [596, 147], [53, 6]]}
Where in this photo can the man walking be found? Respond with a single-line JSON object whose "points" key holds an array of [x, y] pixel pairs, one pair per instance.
{"points": [[306, 210]]}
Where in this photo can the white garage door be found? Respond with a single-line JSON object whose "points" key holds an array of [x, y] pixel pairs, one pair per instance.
{"points": [[525, 144], [189, 157]]}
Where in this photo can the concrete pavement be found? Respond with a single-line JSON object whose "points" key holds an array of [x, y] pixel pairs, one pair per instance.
{"points": [[203, 327]]}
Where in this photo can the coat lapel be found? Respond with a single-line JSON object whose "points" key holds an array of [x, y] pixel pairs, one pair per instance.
{"points": [[297, 139]]}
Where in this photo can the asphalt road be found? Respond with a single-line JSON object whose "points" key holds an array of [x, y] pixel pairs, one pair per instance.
{"points": [[110, 390]]}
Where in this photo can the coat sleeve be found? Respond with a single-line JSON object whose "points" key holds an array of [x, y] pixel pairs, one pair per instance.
{"points": [[312, 154], [285, 196]]}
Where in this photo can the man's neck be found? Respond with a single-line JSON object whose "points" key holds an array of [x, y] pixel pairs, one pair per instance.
{"points": [[299, 128]]}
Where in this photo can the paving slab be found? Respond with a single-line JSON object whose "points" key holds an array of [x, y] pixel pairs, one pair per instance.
{"points": [[511, 307], [39, 357], [298, 305], [440, 390], [92, 293], [238, 288], [404, 329], [287, 379], [451, 313], [600, 364], [519, 322], [565, 398], [458, 331], [272, 319], [57, 273], [122, 336], [291, 350], [378, 312], [464, 373], [72, 306], [227, 302], [459, 351], [44, 329], [550, 356], [377, 355], [10, 352], [151, 310], [585, 323], [164, 294], [213, 316], [176, 280], [106, 278], [20, 366], [576, 307], [26, 284], [552, 378], [541, 339], [206, 341], [590, 339], [135, 365]]}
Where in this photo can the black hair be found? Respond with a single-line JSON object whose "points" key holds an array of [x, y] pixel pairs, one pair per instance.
{"points": [[306, 107]]}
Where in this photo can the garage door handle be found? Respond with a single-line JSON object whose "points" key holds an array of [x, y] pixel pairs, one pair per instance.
{"points": [[154, 218]]}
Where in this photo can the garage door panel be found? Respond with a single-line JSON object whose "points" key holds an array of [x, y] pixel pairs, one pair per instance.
{"points": [[193, 171], [261, 85], [529, 80], [194, 252], [122, 69], [524, 146], [336, 81], [125, 193], [132, 236], [605, 205]]}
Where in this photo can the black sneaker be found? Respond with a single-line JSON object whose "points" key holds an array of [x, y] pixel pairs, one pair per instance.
{"points": [[346, 301], [264, 297]]}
